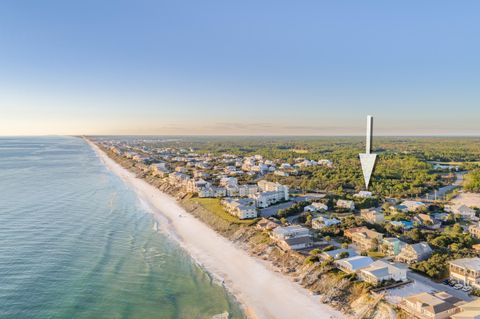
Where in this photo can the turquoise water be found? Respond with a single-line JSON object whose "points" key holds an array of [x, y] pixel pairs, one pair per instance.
{"points": [[76, 243]]}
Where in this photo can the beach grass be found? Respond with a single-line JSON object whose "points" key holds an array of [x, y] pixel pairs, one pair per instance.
{"points": [[213, 205]]}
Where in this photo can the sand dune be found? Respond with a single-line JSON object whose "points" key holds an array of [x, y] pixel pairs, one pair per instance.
{"points": [[264, 293]]}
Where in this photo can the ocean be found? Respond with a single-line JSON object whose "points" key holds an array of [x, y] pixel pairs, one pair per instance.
{"points": [[75, 242]]}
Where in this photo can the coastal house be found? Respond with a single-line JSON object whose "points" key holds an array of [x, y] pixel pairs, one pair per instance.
{"points": [[178, 179], [295, 243], [474, 230], [292, 237], [212, 191], [159, 169], [281, 173], [440, 305], [381, 271], [346, 204], [391, 246], [316, 207], [367, 239], [470, 310], [353, 264], [265, 224], [181, 169], [373, 216], [363, 194], [228, 181], [414, 253], [466, 271], [290, 232], [194, 186], [337, 253], [242, 208], [350, 231], [405, 224], [463, 210], [321, 222], [427, 221], [410, 206]]}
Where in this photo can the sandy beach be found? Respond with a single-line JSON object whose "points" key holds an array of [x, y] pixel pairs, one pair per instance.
{"points": [[263, 293]]}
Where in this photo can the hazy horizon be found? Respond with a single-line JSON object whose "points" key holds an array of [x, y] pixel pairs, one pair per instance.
{"points": [[224, 68]]}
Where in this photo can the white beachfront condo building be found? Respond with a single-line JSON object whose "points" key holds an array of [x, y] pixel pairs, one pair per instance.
{"points": [[466, 271]]}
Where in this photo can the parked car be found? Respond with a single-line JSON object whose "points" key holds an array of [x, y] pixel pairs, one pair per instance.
{"points": [[458, 286], [467, 289]]}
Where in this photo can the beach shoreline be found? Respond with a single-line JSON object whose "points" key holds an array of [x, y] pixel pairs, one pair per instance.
{"points": [[262, 293]]}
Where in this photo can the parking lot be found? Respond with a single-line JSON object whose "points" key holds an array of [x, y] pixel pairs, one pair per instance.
{"points": [[422, 284]]}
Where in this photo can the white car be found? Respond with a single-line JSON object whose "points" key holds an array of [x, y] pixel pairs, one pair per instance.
{"points": [[458, 286], [467, 289]]}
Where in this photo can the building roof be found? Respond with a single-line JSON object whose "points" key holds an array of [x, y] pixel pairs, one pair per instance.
{"points": [[435, 303], [469, 263], [298, 240], [356, 263], [421, 248], [335, 253], [381, 268]]}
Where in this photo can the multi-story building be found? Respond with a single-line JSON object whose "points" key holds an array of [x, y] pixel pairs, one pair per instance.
{"points": [[381, 271], [462, 210], [440, 305], [469, 310], [266, 186], [242, 208], [353, 264], [414, 253], [466, 271], [367, 239], [290, 232], [373, 216], [178, 179], [475, 230], [391, 246], [265, 199]]}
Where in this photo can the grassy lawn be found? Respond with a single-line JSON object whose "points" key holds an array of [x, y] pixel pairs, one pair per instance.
{"points": [[213, 205]]}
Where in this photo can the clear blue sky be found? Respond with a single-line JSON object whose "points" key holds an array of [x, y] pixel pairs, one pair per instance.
{"points": [[239, 67]]}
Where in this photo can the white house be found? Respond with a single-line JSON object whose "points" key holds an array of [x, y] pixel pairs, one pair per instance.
{"points": [[290, 232], [466, 271], [321, 222], [380, 271], [243, 208], [363, 194], [353, 264], [316, 207]]}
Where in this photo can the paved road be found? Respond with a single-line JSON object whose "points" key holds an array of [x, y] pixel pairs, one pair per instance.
{"points": [[439, 287], [272, 210], [442, 191]]}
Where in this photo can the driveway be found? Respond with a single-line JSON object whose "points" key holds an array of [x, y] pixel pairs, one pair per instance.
{"points": [[422, 284]]}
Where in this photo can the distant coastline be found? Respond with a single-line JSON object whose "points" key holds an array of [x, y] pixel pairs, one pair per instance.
{"points": [[262, 292]]}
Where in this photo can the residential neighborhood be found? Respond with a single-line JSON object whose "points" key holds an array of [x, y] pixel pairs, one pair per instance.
{"points": [[386, 243]]}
